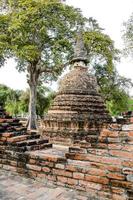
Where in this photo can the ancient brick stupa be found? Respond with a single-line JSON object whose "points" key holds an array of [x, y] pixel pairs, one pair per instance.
{"points": [[78, 111]]}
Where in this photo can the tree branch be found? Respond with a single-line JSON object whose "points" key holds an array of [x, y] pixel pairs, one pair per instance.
{"points": [[45, 70]]}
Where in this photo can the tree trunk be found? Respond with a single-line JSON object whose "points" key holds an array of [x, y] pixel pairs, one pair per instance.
{"points": [[33, 80], [32, 108]]}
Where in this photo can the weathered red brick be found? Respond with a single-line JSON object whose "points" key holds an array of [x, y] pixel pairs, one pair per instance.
{"points": [[46, 163], [52, 158], [46, 169], [104, 195], [123, 184], [127, 163], [119, 197], [121, 154], [128, 148], [72, 181], [17, 138], [130, 133], [71, 168], [94, 158], [118, 190], [62, 172], [96, 179], [116, 176], [78, 175], [32, 173], [90, 185], [60, 166], [98, 172], [114, 146], [62, 179], [3, 139], [127, 170], [13, 163], [41, 175], [51, 177], [33, 167]]}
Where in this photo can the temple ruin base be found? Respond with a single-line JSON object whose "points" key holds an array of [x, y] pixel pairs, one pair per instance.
{"points": [[103, 170]]}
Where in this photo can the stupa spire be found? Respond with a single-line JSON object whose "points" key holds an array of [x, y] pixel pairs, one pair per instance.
{"points": [[80, 52]]}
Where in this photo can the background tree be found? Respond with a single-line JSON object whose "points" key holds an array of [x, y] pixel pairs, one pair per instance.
{"points": [[114, 89], [9, 99], [16, 102], [4, 93], [44, 99], [4, 38], [103, 57], [130, 103], [128, 36]]}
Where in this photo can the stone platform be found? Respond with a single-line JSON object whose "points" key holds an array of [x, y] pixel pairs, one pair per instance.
{"points": [[20, 188], [104, 171]]}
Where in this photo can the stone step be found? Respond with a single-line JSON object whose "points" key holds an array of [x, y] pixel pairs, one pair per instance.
{"points": [[1, 129], [29, 148], [20, 128], [9, 134], [84, 144], [77, 149], [18, 138], [38, 147], [31, 142]]}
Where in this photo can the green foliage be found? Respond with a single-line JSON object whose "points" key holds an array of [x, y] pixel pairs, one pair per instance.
{"points": [[41, 32], [4, 38], [16, 102], [103, 55], [118, 102], [100, 48], [9, 99], [114, 89], [44, 99], [130, 104], [4, 93], [128, 36]]}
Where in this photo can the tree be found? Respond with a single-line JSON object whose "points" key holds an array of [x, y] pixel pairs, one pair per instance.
{"points": [[4, 39], [128, 36], [9, 99], [130, 104], [41, 33], [44, 99], [114, 89]]}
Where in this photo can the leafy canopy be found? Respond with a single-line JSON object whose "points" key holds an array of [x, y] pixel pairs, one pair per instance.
{"points": [[4, 38], [41, 32], [128, 36]]}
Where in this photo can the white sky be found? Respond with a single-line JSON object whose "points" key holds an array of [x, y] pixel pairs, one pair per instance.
{"points": [[110, 15]]}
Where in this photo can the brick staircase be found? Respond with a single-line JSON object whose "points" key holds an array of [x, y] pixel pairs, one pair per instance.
{"points": [[15, 137]]}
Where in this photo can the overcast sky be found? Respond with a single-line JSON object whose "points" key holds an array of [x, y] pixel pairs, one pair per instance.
{"points": [[110, 15]]}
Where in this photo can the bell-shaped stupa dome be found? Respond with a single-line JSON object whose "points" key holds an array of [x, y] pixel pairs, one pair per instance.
{"points": [[78, 109], [79, 81]]}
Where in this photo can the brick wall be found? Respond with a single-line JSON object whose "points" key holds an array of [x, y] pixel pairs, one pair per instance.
{"points": [[104, 170]]}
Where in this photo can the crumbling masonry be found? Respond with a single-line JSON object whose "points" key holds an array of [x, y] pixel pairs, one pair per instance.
{"points": [[81, 147]]}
